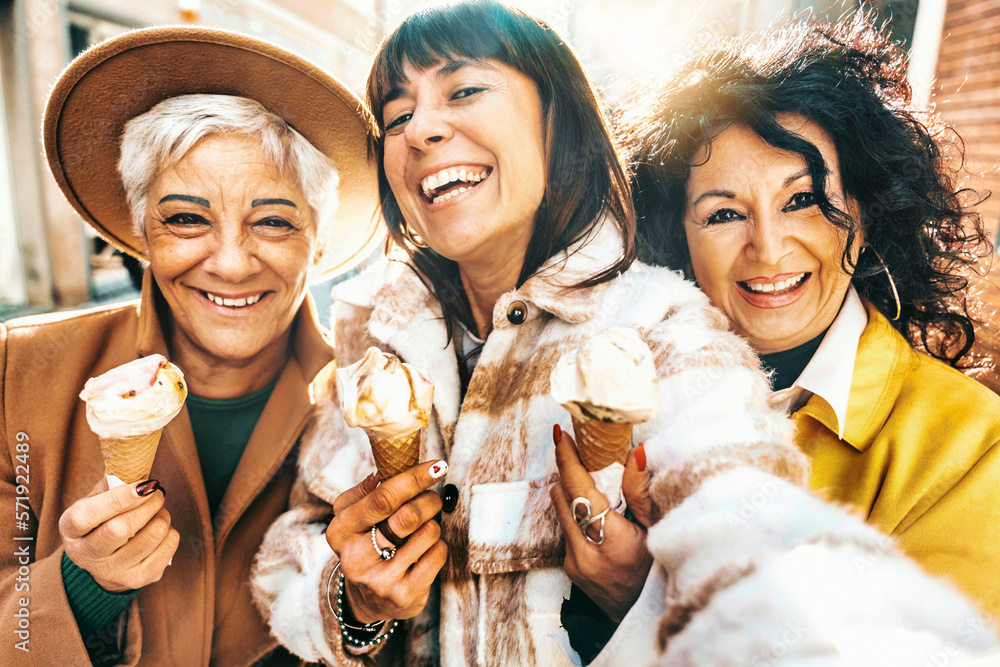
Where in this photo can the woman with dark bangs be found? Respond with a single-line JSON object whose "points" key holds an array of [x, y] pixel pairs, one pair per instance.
{"points": [[504, 193], [787, 174]]}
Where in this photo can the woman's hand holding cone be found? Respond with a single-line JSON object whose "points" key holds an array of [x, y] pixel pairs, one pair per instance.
{"points": [[612, 573], [121, 537], [377, 589]]}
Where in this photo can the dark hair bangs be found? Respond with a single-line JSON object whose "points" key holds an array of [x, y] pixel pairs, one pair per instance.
{"points": [[449, 33]]}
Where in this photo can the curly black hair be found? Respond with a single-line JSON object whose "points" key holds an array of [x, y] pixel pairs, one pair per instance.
{"points": [[900, 165]]}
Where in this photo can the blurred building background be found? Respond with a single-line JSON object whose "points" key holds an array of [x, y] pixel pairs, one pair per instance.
{"points": [[49, 259], [967, 91]]}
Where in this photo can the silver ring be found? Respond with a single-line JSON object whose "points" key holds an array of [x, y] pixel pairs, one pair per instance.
{"points": [[580, 501], [386, 554], [600, 535]]}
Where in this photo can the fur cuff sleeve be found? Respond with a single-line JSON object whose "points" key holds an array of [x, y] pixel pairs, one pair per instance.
{"points": [[343, 655], [291, 581], [782, 574], [286, 578]]}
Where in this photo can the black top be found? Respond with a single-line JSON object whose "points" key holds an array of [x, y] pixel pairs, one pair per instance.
{"points": [[786, 366], [588, 627]]}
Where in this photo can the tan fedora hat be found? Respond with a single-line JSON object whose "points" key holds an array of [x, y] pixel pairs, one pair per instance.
{"points": [[127, 75]]}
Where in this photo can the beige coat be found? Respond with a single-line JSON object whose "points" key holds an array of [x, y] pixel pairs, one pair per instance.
{"points": [[201, 611]]}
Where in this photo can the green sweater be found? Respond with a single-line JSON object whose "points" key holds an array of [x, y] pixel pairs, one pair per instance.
{"points": [[222, 429]]}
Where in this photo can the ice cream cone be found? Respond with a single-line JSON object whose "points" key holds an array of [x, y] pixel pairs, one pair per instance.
{"points": [[601, 443], [395, 455], [129, 459]]}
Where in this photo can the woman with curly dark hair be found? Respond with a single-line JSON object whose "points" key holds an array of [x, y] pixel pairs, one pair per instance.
{"points": [[786, 174]]}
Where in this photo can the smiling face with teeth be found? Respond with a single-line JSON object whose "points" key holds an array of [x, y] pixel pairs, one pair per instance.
{"points": [[230, 241], [760, 247], [464, 154]]}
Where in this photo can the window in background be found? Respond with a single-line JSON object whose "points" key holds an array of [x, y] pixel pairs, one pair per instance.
{"points": [[900, 16], [113, 275], [12, 291]]}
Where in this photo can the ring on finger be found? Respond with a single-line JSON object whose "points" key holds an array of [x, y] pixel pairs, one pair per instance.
{"points": [[584, 525], [386, 554], [383, 527], [579, 502]]}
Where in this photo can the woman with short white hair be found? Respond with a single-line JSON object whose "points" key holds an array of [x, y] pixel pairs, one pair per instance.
{"points": [[222, 184], [159, 138]]}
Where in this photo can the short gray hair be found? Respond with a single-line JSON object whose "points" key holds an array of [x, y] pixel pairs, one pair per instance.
{"points": [[158, 139]]}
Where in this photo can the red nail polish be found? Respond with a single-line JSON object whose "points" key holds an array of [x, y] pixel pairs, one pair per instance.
{"points": [[147, 487], [438, 470], [640, 457], [556, 434]]}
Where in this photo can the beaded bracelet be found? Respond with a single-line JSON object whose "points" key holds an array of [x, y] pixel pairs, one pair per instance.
{"points": [[369, 629], [344, 627]]}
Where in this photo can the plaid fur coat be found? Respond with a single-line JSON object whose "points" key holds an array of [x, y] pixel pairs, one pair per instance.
{"points": [[735, 525]]}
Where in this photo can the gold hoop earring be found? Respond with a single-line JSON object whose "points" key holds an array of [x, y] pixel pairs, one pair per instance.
{"points": [[412, 237], [892, 283]]}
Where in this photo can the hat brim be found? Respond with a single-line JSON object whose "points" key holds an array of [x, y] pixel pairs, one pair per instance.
{"points": [[125, 76]]}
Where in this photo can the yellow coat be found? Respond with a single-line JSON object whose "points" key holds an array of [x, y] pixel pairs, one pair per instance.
{"points": [[920, 459]]}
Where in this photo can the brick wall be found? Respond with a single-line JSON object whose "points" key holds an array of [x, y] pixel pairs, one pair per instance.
{"points": [[967, 92]]}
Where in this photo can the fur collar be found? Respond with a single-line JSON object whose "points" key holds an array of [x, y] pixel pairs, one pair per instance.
{"points": [[549, 289]]}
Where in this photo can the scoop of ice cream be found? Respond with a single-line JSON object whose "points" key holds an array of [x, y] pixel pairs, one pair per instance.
{"points": [[385, 396], [611, 377], [135, 398]]}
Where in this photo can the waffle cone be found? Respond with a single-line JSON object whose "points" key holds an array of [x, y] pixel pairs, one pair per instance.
{"points": [[601, 443], [130, 459], [395, 455]]}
